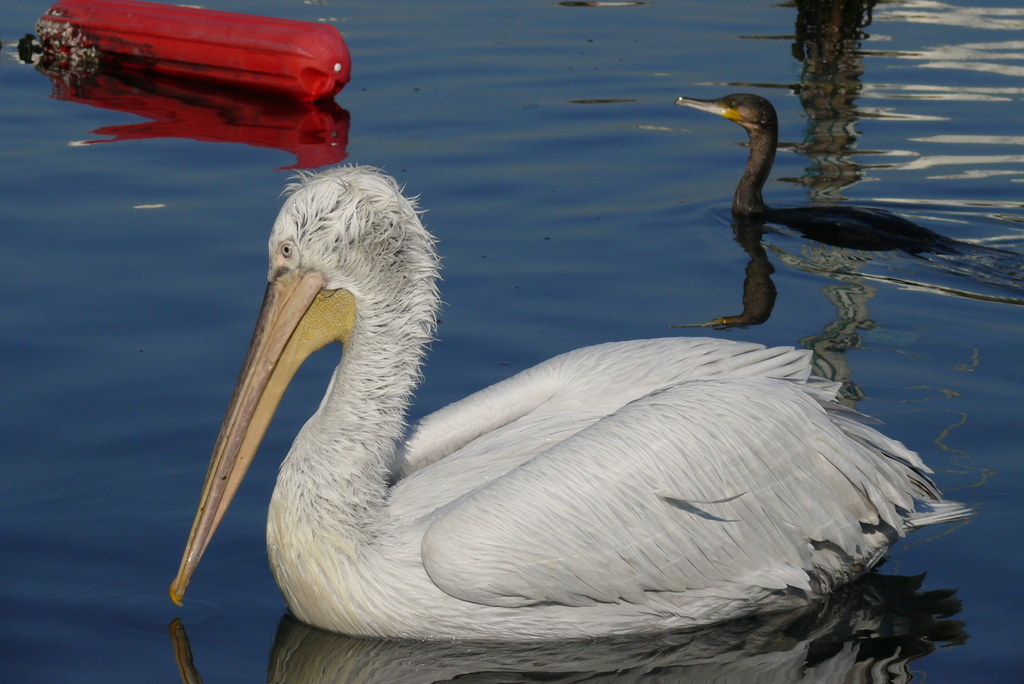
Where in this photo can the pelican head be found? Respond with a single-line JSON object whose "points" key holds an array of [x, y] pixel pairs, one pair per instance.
{"points": [[346, 245]]}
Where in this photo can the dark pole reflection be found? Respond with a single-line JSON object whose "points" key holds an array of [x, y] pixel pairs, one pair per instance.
{"points": [[828, 36]]}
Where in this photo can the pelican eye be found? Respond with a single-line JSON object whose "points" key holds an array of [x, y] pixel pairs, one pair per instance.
{"points": [[287, 250]]}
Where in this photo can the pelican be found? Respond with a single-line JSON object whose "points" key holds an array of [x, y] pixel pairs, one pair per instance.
{"points": [[622, 488]]}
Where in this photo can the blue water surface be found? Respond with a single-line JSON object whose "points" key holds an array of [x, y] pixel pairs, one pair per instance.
{"points": [[574, 204]]}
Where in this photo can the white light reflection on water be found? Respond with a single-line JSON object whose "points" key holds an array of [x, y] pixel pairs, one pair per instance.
{"points": [[945, 202], [987, 57], [987, 67], [930, 12], [938, 92], [974, 139], [976, 173], [887, 113], [927, 162]]}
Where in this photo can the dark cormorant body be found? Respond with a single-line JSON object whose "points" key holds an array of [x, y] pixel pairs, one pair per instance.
{"points": [[863, 228]]}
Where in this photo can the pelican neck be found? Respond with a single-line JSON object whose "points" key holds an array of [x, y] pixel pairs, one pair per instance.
{"points": [[339, 465]]}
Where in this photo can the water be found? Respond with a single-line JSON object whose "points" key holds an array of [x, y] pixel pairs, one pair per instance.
{"points": [[574, 205]]}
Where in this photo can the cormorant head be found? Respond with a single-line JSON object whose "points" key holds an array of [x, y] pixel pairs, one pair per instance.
{"points": [[748, 110]]}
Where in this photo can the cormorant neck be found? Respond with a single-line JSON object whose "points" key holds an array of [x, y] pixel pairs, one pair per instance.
{"points": [[747, 202]]}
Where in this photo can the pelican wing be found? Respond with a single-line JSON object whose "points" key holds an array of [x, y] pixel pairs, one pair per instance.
{"points": [[725, 483], [598, 379], [469, 443]]}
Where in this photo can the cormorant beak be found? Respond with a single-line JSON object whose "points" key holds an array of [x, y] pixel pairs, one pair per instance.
{"points": [[713, 106], [298, 317]]}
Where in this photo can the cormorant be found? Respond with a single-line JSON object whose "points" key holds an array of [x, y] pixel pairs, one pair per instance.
{"points": [[843, 226]]}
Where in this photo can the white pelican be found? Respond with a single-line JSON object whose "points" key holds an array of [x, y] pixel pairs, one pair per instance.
{"points": [[627, 487]]}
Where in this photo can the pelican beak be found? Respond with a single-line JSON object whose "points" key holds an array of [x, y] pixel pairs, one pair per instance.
{"points": [[713, 106], [298, 317]]}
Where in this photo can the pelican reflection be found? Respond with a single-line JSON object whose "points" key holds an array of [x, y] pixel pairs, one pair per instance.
{"points": [[870, 631]]}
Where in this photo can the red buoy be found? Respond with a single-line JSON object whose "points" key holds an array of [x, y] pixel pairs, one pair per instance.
{"points": [[297, 60]]}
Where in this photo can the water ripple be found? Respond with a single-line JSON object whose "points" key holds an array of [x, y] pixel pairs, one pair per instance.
{"points": [[930, 12]]}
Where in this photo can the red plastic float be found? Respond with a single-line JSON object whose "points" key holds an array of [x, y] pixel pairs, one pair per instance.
{"points": [[297, 60]]}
